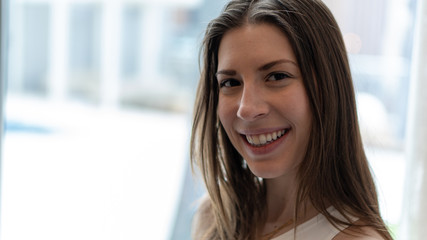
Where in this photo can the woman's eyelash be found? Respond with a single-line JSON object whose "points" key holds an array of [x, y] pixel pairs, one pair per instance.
{"points": [[278, 76], [271, 77], [229, 83]]}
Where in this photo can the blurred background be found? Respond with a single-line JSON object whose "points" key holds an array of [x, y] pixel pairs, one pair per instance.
{"points": [[98, 97]]}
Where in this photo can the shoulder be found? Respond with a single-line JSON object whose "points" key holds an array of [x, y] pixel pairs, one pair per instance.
{"points": [[203, 219], [358, 233]]}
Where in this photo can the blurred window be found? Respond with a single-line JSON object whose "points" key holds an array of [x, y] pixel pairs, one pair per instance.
{"points": [[131, 41], [35, 47], [84, 50]]}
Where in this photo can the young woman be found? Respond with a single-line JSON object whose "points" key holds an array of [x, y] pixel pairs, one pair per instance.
{"points": [[275, 133]]}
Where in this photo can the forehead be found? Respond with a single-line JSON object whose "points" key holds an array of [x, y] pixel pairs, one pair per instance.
{"points": [[254, 44]]}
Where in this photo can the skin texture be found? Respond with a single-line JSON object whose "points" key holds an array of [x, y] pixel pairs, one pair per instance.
{"points": [[261, 91]]}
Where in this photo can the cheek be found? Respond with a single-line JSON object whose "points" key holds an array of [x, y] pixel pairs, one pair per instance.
{"points": [[220, 112], [303, 113], [225, 113], [301, 106], [299, 112]]}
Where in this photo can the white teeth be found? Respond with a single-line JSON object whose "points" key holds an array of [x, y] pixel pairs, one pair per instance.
{"points": [[263, 139], [255, 140], [269, 137], [249, 138], [274, 136]]}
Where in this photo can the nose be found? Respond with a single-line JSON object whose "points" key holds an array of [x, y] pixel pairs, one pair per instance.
{"points": [[253, 104]]}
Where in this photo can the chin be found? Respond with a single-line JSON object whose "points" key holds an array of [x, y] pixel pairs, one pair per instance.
{"points": [[268, 172]]}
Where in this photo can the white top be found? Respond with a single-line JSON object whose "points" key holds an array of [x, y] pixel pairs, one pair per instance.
{"points": [[318, 228]]}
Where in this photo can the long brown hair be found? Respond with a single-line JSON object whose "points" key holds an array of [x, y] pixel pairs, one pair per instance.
{"points": [[334, 171]]}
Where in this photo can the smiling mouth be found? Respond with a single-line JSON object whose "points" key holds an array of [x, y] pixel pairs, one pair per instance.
{"points": [[261, 140]]}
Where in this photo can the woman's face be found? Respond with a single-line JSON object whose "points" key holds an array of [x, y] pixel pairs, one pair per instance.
{"points": [[263, 105]]}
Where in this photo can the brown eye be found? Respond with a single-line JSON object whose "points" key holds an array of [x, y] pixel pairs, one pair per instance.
{"points": [[229, 83], [278, 76]]}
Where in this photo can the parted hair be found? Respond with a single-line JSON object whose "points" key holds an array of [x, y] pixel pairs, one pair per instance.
{"points": [[334, 170]]}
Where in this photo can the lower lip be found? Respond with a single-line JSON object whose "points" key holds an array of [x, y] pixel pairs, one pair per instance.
{"points": [[265, 149]]}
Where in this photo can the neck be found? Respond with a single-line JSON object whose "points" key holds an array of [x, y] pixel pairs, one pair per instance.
{"points": [[281, 201], [281, 194], [281, 204]]}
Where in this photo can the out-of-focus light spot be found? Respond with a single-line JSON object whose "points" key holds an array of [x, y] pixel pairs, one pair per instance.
{"points": [[353, 43]]}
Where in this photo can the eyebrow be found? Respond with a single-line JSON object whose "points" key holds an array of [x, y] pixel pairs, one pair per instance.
{"points": [[272, 64], [262, 68], [226, 72]]}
